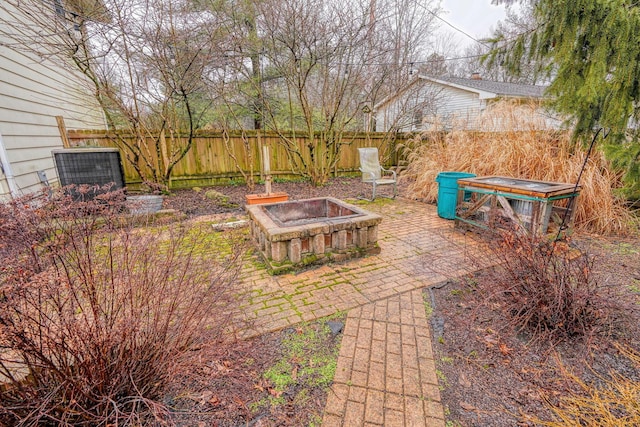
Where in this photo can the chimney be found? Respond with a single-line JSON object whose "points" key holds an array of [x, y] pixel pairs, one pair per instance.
{"points": [[476, 76]]}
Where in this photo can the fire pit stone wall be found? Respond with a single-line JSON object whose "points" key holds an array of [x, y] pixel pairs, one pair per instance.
{"points": [[297, 233]]}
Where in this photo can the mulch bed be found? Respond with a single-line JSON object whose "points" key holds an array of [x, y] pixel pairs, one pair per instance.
{"points": [[226, 387], [197, 203], [492, 375]]}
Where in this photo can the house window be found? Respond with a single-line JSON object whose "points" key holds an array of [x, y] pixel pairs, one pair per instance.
{"points": [[418, 116], [59, 8], [64, 16]]}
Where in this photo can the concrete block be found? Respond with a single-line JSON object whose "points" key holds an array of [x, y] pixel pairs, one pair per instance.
{"points": [[372, 234], [318, 244], [278, 251], [267, 249], [339, 240], [295, 250], [362, 237]]}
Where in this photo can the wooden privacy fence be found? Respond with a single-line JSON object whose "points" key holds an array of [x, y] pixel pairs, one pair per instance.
{"points": [[217, 157]]}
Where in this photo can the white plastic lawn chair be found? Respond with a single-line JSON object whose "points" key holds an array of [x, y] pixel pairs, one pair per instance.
{"points": [[374, 173]]}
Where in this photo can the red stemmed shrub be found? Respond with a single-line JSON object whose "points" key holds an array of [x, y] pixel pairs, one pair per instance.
{"points": [[547, 287], [96, 315]]}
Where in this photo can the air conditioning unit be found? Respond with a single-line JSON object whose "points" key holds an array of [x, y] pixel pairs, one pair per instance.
{"points": [[90, 166]]}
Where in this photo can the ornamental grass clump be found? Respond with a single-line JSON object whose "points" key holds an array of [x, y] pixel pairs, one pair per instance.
{"points": [[513, 141], [96, 316]]}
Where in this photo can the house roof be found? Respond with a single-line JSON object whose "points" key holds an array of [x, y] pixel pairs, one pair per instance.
{"points": [[498, 88], [486, 89]]}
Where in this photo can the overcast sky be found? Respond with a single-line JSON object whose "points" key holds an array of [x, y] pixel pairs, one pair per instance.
{"points": [[474, 17]]}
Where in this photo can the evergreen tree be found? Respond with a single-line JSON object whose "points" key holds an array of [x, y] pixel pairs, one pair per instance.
{"points": [[590, 51]]}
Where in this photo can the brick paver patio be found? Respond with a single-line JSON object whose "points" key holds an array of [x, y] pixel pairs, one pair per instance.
{"points": [[386, 372]]}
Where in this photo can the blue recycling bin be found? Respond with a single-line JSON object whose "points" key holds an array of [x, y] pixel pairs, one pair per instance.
{"points": [[448, 192]]}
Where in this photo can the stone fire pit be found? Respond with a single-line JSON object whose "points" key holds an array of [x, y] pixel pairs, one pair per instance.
{"points": [[297, 233]]}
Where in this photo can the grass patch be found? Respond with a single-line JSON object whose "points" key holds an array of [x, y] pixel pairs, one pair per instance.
{"points": [[625, 249], [442, 380], [307, 365], [428, 309]]}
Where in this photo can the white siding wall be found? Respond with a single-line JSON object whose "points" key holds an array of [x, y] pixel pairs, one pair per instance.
{"points": [[32, 92], [459, 108], [443, 104]]}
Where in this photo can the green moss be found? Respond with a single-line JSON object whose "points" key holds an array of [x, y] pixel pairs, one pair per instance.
{"points": [[309, 259], [216, 196], [279, 375], [199, 239], [379, 201], [626, 249], [427, 305], [442, 379], [308, 360], [285, 179], [315, 420]]}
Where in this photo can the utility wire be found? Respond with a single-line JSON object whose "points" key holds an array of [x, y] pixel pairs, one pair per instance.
{"points": [[452, 26], [53, 4]]}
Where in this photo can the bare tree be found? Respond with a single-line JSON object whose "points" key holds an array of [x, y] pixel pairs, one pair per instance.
{"points": [[317, 53], [403, 39], [158, 68], [313, 69], [143, 60]]}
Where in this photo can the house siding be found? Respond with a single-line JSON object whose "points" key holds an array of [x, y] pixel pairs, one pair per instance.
{"points": [[458, 106], [32, 92], [443, 104]]}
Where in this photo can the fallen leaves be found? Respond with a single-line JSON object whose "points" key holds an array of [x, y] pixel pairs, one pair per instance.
{"points": [[468, 407], [506, 351], [265, 385], [463, 381], [204, 397]]}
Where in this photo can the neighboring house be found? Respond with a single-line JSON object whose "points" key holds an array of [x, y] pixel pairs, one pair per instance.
{"points": [[33, 91], [451, 102]]}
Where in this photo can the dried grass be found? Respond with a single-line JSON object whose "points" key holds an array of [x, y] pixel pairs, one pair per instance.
{"points": [[522, 151], [612, 404]]}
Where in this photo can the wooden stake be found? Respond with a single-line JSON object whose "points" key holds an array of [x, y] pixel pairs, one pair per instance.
{"points": [[266, 167], [62, 128]]}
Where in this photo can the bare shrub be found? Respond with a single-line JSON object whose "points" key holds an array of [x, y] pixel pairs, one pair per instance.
{"points": [[547, 287], [521, 149], [96, 315]]}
